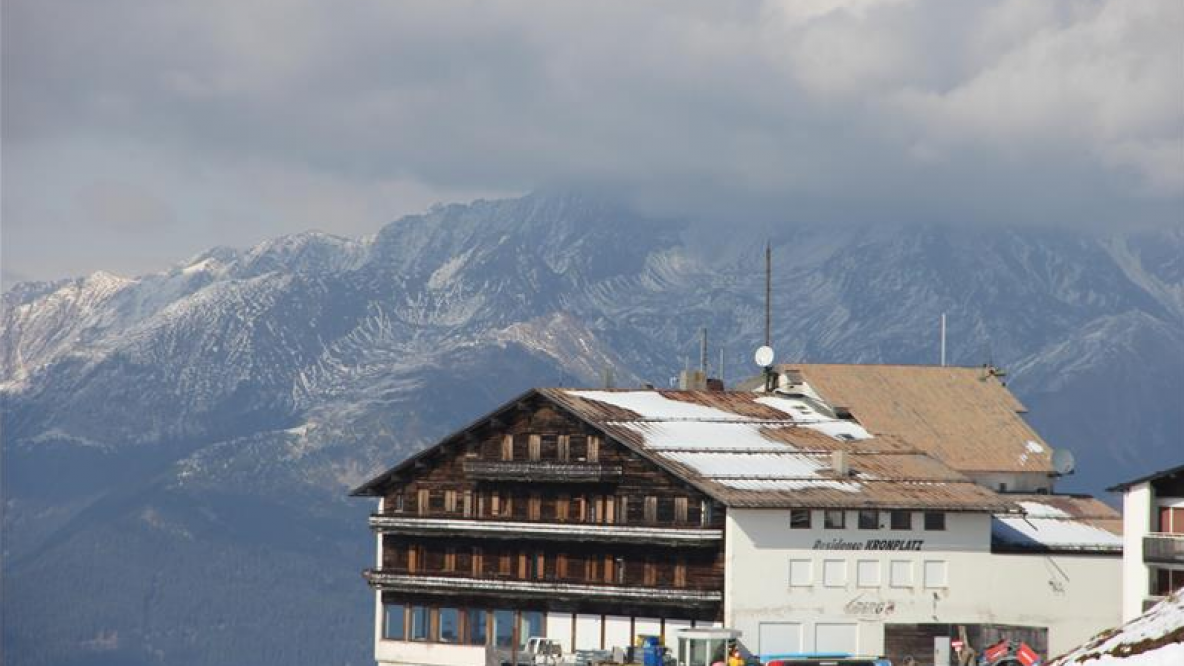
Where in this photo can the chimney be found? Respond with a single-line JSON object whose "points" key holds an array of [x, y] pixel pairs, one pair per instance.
{"points": [[692, 380], [839, 464]]}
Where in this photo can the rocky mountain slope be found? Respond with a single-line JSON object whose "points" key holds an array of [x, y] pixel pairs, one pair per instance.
{"points": [[177, 446]]}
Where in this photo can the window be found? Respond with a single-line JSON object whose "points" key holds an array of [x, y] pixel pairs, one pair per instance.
{"points": [[420, 621], [708, 512], [507, 447], [619, 569], [869, 520], [436, 501], [834, 519], [801, 573], [503, 628], [577, 446], [590, 510], [901, 520], [393, 624], [900, 573], [476, 620], [834, 573], [399, 503], [934, 573], [530, 626], [534, 447], [449, 625], [665, 509], [799, 519], [935, 521], [867, 573]]}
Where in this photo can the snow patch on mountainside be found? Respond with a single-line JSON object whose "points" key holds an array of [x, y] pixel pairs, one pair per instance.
{"points": [[1155, 638]]}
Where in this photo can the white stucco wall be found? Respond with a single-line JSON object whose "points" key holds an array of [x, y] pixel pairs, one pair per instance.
{"points": [[428, 654], [1073, 596], [1137, 504]]}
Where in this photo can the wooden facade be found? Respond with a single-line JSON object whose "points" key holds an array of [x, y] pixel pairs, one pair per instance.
{"points": [[535, 508]]}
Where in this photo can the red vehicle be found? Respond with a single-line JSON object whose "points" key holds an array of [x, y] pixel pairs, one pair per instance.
{"points": [[1010, 653]]}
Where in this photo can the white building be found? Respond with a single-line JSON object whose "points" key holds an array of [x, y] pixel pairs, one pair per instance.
{"points": [[1153, 539], [874, 510]]}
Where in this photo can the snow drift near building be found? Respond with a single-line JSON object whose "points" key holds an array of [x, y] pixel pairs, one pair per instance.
{"points": [[1155, 638]]}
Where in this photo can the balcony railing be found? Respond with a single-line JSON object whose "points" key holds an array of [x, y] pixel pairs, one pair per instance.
{"points": [[554, 591], [1163, 548], [568, 532], [549, 471]]}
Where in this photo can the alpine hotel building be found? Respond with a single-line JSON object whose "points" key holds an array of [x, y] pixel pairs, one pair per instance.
{"points": [[874, 510]]}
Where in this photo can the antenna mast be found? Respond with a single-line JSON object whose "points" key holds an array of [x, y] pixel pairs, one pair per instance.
{"points": [[703, 352], [768, 293], [943, 339]]}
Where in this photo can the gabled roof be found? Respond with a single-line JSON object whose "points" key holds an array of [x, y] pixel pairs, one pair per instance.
{"points": [[964, 416], [1058, 523], [1154, 476], [752, 450]]}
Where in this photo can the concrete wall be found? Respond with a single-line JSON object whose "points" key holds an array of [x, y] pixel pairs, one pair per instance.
{"points": [[954, 578], [1137, 503]]}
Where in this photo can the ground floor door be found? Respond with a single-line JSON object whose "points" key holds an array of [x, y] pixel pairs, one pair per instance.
{"points": [[779, 638]]}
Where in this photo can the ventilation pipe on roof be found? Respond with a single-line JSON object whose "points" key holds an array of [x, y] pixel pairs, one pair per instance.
{"points": [[839, 463]]}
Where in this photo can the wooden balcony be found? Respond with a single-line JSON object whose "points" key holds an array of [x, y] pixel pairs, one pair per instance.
{"points": [[567, 532], [541, 471], [1163, 548], [548, 591]]}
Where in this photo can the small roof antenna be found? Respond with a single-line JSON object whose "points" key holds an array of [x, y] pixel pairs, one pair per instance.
{"points": [[943, 339], [703, 351], [764, 355]]}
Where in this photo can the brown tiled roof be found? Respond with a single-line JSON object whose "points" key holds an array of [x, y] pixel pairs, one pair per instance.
{"points": [[748, 454], [965, 416]]}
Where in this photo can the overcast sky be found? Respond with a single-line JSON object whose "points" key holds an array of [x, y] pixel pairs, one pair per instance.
{"points": [[138, 133]]}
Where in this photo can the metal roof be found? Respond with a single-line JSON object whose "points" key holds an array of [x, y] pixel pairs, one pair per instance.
{"points": [[1058, 523], [964, 415], [1154, 476]]}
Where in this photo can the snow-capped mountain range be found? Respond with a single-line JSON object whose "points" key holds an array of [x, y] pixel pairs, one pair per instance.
{"points": [[178, 445]]}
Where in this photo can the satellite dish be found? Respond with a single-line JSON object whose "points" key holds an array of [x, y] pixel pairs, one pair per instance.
{"points": [[1063, 461], [764, 356]]}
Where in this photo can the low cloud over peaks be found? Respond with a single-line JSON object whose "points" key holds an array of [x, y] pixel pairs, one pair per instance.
{"points": [[243, 120]]}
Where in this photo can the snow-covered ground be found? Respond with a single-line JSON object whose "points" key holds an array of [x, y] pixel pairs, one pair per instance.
{"points": [[1155, 638]]}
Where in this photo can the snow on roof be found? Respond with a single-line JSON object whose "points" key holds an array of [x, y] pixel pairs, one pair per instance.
{"points": [[753, 449], [1030, 533], [654, 405], [1155, 638]]}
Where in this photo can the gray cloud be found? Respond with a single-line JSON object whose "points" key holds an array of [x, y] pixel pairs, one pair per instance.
{"points": [[243, 120]]}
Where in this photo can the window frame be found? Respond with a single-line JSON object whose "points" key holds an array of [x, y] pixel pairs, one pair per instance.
{"points": [[939, 524], [864, 516], [894, 514], [827, 514], [795, 516]]}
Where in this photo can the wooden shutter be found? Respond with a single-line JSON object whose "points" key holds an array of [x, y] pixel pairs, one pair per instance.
{"points": [[651, 509], [562, 508], [680, 573], [507, 447], [564, 445], [468, 504], [478, 562], [534, 447], [593, 448], [421, 502], [561, 566], [535, 508], [680, 509]]}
